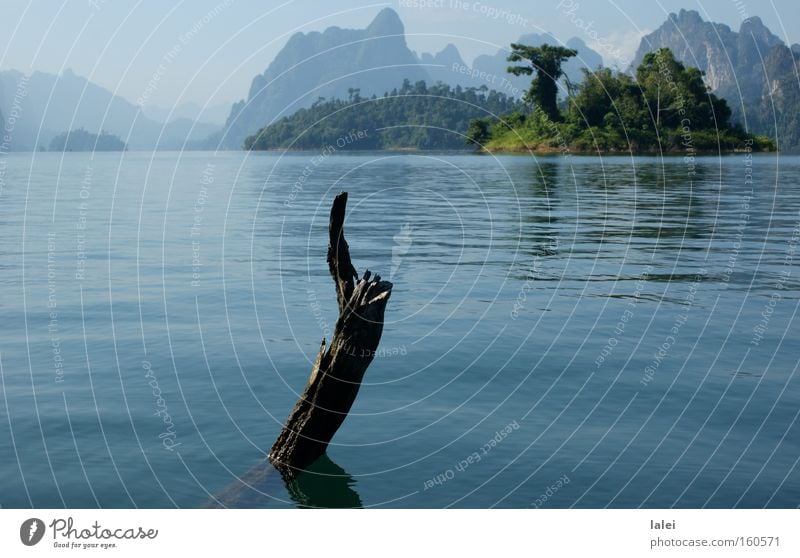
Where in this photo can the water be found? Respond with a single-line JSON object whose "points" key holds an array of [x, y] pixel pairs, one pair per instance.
{"points": [[161, 313]]}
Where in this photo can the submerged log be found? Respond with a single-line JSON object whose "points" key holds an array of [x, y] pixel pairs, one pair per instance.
{"points": [[339, 368], [324, 484]]}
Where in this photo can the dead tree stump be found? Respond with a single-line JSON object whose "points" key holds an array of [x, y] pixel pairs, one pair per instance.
{"points": [[339, 368]]}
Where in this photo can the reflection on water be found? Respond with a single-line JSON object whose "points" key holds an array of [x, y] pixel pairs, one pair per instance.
{"points": [[323, 485]]}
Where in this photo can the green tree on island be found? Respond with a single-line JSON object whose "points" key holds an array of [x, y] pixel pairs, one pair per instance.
{"points": [[667, 107], [546, 61], [676, 94]]}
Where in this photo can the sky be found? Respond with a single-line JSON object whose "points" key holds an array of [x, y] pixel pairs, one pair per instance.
{"points": [[208, 51]]}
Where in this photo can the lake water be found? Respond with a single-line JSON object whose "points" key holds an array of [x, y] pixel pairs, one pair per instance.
{"points": [[563, 332]]}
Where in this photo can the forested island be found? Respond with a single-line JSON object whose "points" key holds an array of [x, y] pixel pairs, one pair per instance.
{"points": [[665, 107], [413, 117], [82, 140]]}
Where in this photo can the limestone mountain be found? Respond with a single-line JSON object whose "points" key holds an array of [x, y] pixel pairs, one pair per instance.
{"points": [[375, 60], [448, 67], [329, 64], [752, 69]]}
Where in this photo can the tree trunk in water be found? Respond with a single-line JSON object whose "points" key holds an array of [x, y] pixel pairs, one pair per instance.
{"points": [[339, 367]]}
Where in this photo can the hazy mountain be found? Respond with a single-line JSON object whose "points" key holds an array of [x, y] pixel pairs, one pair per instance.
{"points": [[496, 64], [327, 64], [752, 68], [448, 67], [375, 60], [214, 114], [724, 55], [51, 104]]}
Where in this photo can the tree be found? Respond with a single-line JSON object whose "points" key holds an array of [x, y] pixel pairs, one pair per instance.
{"points": [[658, 76], [676, 94], [478, 132], [546, 61], [668, 107]]}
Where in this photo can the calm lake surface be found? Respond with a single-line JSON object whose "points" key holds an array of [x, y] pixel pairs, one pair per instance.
{"points": [[562, 332]]}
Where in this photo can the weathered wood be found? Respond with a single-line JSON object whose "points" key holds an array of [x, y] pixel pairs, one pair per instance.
{"points": [[339, 368]]}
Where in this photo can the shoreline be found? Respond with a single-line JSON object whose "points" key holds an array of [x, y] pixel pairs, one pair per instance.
{"points": [[478, 152], [638, 153]]}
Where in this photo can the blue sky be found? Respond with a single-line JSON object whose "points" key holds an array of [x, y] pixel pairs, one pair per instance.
{"points": [[121, 44]]}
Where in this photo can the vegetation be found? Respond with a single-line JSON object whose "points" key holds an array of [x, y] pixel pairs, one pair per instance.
{"points": [[666, 107], [414, 117], [81, 140], [546, 61]]}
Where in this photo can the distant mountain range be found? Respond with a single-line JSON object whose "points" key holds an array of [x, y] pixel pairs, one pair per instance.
{"points": [[375, 61], [214, 114], [48, 105], [755, 71], [752, 69]]}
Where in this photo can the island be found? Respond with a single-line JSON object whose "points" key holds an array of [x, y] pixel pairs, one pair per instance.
{"points": [[665, 107], [83, 140], [415, 116]]}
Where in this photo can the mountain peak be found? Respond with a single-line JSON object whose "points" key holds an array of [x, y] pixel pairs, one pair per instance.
{"points": [[375, 59], [67, 73], [577, 43], [450, 49], [754, 21], [387, 22], [687, 16], [755, 28]]}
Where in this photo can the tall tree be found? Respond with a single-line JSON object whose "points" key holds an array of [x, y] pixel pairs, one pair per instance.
{"points": [[546, 61], [674, 92]]}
